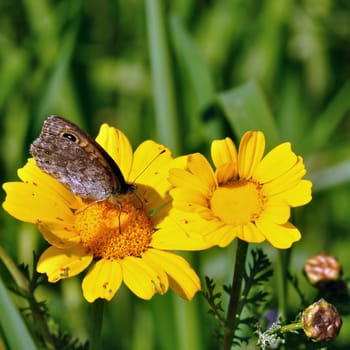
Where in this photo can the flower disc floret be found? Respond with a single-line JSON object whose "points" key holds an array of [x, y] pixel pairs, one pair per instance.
{"points": [[114, 229], [241, 197]]}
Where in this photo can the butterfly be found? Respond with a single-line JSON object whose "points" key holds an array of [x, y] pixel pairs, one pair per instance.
{"points": [[72, 157]]}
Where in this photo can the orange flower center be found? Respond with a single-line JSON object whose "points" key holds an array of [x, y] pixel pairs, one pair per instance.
{"points": [[114, 230], [238, 202]]}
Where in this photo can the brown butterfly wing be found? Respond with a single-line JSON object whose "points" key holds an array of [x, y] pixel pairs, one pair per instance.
{"points": [[72, 157]]}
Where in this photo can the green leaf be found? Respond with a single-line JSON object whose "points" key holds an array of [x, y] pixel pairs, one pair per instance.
{"points": [[162, 75], [330, 176], [193, 61], [323, 129], [196, 85], [58, 75], [12, 324], [246, 108]]}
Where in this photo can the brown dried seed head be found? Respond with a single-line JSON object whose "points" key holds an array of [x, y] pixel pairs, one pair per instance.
{"points": [[322, 268], [322, 321]]}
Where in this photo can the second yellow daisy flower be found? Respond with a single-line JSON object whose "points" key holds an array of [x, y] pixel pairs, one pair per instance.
{"points": [[248, 196]]}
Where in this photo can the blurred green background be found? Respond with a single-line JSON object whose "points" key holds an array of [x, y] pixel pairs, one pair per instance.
{"points": [[182, 72]]}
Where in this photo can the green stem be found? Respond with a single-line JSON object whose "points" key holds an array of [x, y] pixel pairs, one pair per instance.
{"points": [[282, 268], [281, 272], [16, 274], [96, 324], [232, 316], [291, 327]]}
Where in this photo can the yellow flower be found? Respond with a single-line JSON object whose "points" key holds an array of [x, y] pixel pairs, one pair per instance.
{"points": [[248, 196], [126, 237]]}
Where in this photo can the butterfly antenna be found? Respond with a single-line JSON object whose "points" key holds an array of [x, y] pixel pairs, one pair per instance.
{"points": [[148, 165]]}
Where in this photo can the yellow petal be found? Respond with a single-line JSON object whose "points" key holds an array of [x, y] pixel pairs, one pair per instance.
{"points": [[288, 182], [59, 235], [206, 213], [184, 179], [222, 236], [280, 236], [63, 263], [188, 200], [223, 152], [34, 202], [300, 195], [278, 211], [149, 198], [102, 281], [251, 150], [141, 278], [180, 231], [158, 215], [151, 166], [199, 166], [161, 284], [182, 278], [226, 173], [250, 233], [117, 145], [276, 163], [149, 158], [31, 173]]}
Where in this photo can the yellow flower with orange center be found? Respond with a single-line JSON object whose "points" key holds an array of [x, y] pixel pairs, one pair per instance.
{"points": [[126, 236], [248, 196]]}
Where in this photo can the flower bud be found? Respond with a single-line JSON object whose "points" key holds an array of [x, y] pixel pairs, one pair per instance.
{"points": [[320, 269], [321, 321]]}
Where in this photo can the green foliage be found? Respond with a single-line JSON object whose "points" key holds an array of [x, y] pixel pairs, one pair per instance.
{"points": [[259, 271], [295, 283], [253, 296], [36, 313]]}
